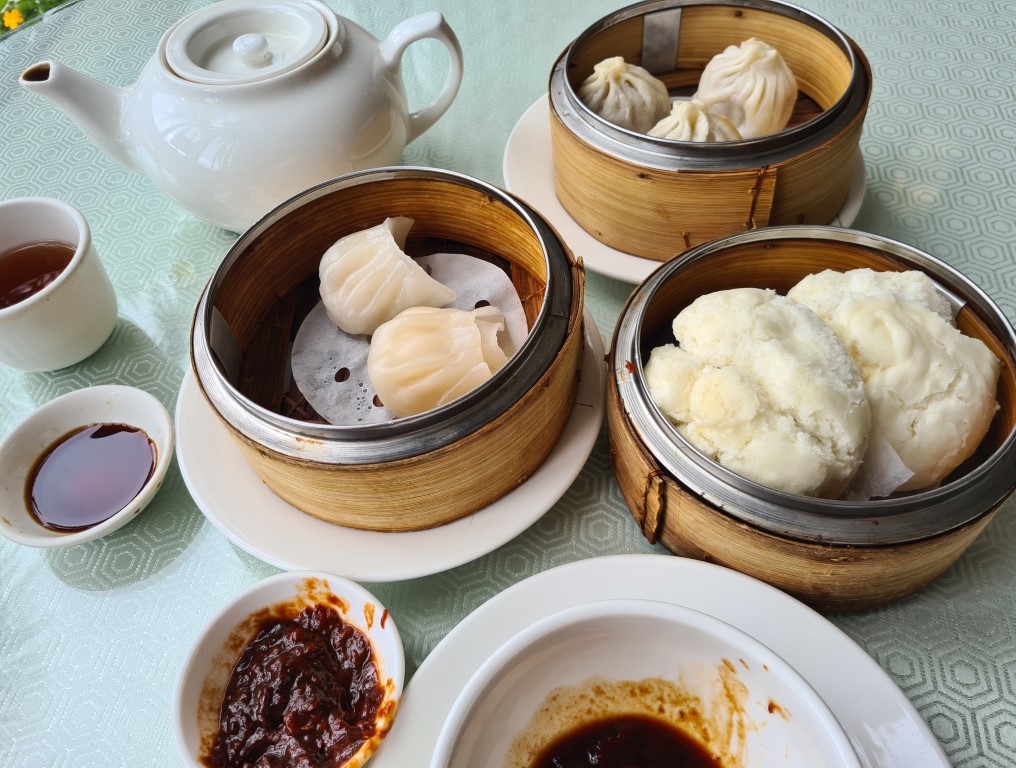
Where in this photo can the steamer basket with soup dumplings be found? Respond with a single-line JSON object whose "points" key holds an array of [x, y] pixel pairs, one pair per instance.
{"points": [[408, 473], [834, 554], [654, 197]]}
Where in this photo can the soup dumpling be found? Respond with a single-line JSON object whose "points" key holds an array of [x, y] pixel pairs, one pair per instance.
{"points": [[625, 95], [691, 121], [752, 86]]}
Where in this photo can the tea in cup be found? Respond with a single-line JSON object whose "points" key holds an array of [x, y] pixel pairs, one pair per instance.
{"points": [[57, 304]]}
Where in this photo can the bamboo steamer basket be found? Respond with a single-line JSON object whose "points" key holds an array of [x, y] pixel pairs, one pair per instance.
{"points": [[409, 473], [655, 198], [835, 555]]}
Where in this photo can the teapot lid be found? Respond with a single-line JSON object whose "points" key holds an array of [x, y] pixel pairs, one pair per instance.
{"points": [[245, 41]]}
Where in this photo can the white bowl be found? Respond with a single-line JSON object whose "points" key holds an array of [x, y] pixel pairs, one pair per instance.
{"points": [[22, 447], [755, 709], [205, 673]]}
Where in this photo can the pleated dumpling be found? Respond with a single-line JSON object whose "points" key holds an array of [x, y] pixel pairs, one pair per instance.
{"points": [[751, 85], [367, 279], [426, 357], [625, 95], [691, 121]]}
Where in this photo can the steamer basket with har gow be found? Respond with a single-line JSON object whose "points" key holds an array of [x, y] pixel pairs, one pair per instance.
{"points": [[487, 433], [656, 193]]}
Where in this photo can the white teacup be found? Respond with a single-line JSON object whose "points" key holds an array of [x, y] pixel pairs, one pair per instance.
{"points": [[71, 317]]}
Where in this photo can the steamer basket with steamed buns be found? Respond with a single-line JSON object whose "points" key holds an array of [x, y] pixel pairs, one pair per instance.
{"points": [[656, 198], [415, 472], [838, 555]]}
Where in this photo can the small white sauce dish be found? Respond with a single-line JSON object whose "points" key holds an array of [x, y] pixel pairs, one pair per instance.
{"points": [[610, 658], [205, 673], [36, 434]]}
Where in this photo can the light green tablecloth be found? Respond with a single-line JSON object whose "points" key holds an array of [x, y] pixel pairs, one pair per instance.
{"points": [[91, 637]]}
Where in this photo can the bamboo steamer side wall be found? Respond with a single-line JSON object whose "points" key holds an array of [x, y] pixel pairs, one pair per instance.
{"points": [[443, 485], [289, 252], [650, 213], [832, 577], [622, 39], [812, 187], [821, 69], [657, 214], [826, 577]]}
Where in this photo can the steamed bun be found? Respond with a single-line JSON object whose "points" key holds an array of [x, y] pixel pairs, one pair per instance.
{"points": [[932, 389], [762, 386]]}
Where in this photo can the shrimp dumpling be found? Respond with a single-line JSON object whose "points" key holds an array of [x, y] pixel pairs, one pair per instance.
{"points": [[367, 279], [625, 95], [426, 357], [751, 85]]}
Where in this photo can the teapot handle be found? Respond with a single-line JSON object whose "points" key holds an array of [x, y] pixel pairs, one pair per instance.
{"points": [[427, 25]]}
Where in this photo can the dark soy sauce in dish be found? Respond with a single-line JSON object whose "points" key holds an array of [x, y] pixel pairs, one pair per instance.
{"points": [[89, 475], [625, 741], [27, 269]]}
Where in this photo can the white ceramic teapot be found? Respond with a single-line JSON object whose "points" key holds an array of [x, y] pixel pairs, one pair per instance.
{"points": [[247, 102]]}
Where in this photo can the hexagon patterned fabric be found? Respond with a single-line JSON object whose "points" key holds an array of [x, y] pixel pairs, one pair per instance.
{"points": [[92, 636]]}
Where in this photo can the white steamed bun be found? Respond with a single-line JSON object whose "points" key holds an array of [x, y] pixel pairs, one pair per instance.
{"points": [[932, 389], [762, 386]]}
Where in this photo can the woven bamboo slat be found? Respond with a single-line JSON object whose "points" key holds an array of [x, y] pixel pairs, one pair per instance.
{"points": [[652, 213], [286, 254], [441, 486], [265, 294], [829, 576], [655, 213]]}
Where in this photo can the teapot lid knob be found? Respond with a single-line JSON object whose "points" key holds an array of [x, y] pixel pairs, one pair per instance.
{"points": [[244, 41], [252, 49]]}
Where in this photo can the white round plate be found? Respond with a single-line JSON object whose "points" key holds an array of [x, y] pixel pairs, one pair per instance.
{"points": [[883, 727], [248, 513], [529, 173]]}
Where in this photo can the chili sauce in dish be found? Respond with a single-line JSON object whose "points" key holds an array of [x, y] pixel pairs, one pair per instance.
{"points": [[305, 692]]}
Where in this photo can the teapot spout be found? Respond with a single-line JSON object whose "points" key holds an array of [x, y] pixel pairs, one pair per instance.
{"points": [[96, 108]]}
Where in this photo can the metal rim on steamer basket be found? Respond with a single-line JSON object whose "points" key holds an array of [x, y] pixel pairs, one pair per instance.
{"points": [[673, 155], [405, 437], [900, 520]]}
